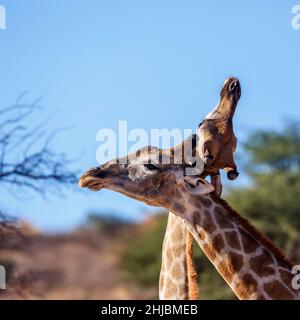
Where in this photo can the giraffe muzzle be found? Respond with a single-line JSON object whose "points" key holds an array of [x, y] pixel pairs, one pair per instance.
{"points": [[232, 87], [92, 179]]}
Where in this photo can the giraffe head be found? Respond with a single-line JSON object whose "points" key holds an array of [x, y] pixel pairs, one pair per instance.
{"points": [[216, 132], [150, 175]]}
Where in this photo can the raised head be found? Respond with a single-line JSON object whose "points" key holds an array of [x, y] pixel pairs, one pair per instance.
{"points": [[217, 139], [230, 93]]}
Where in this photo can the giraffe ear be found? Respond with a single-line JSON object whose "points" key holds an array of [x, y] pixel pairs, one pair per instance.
{"points": [[198, 185]]}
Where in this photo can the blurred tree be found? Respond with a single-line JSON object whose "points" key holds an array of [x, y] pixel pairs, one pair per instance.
{"points": [[141, 256], [27, 160], [106, 223]]}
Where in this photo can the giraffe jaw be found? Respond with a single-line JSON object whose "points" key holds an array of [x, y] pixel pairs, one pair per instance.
{"points": [[95, 184]]}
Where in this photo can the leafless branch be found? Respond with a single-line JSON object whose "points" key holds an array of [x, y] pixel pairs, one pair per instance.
{"points": [[27, 160]]}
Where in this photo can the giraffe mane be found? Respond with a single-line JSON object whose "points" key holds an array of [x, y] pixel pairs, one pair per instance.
{"points": [[193, 292], [260, 237]]}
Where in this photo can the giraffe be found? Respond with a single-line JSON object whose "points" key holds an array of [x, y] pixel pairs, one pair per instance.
{"points": [[177, 251], [216, 133], [216, 147], [252, 265]]}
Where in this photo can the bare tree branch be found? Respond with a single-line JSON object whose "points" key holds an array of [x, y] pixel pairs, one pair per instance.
{"points": [[27, 160]]}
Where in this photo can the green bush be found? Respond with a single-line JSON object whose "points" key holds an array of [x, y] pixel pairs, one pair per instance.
{"points": [[141, 257]]}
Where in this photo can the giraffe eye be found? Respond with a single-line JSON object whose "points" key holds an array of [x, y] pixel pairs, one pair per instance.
{"points": [[192, 164], [150, 167]]}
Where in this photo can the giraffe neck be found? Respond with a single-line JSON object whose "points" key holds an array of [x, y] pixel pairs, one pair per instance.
{"points": [[178, 279], [226, 110], [251, 265]]}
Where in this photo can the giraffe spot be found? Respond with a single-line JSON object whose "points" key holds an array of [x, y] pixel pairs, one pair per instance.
{"points": [[218, 243], [277, 291], [161, 280], [177, 248], [177, 232], [183, 288], [161, 183], [209, 251], [176, 271], [236, 261], [168, 259], [221, 218], [261, 264], [230, 265], [287, 278], [198, 201], [201, 234], [176, 252], [233, 240], [206, 202], [172, 290], [196, 218], [178, 207], [207, 223], [195, 201], [178, 194], [248, 242], [246, 287]]}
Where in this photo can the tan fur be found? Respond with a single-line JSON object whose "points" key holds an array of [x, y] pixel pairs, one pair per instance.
{"points": [[193, 293]]}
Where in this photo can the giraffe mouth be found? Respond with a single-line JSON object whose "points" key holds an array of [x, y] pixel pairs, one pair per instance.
{"points": [[88, 180]]}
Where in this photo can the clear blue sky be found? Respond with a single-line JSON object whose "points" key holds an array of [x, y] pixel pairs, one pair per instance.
{"points": [[157, 64]]}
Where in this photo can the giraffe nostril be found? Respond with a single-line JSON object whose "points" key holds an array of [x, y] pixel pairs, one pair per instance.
{"points": [[232, 174], [232, 85]]}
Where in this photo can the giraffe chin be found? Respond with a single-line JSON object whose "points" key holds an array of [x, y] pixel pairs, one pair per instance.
{"points": [[95, 187]]}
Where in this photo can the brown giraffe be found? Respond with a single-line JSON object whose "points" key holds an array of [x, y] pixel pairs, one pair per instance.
{"points": [[250, 263], [216, 145], [177, 253], [217, 139]]}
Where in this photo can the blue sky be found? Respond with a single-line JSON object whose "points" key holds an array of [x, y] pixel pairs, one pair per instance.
{"points": [[156, 64]]}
